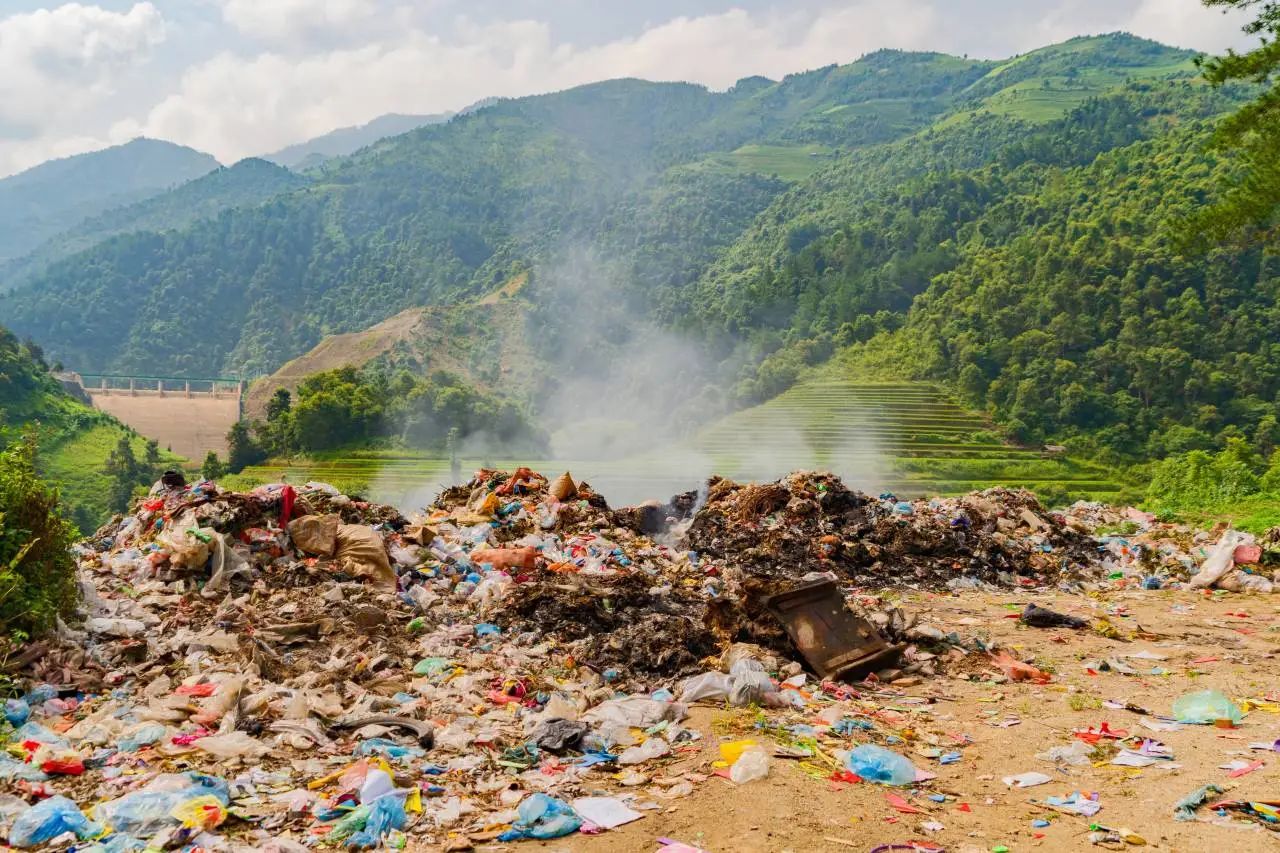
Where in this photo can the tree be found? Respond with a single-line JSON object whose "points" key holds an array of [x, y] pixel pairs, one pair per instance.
{"points": [[37, 572], [1253, 131], [279, 404], [152, 456], [125, 473], [212, 468], [242, 450]]}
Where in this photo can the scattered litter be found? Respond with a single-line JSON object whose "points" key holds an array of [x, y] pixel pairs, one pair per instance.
{"points": [[1027, 780]]}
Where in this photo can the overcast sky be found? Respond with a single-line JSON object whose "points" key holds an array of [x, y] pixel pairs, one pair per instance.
{"points": [[242, 77]]}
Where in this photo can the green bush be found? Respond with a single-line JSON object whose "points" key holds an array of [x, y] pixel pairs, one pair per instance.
{"points": [[37, 572]]}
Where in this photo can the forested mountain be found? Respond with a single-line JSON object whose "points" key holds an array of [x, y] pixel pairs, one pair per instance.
{"points": [[44, 201], [348, 140], [1008, 226], [246, 183]]}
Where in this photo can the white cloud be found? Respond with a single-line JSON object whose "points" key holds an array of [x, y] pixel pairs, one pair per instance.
{"points": [[298, 21], [274, 72], [56, 64], [1187, 23]]}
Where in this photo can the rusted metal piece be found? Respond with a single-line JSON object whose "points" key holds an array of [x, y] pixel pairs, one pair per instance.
{"points": [[836, 642]]}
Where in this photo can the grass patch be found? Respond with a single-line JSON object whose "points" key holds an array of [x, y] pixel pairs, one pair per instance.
{"points": [[788, 162]]}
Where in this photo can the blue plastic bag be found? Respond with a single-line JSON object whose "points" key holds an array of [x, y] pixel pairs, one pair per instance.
{"points": [[41, 693], [144, 813], [542, 817], [48, 819], [389, 748], [142, 736], [386, 813], [17, 711], [877, 764], [38, 733], [12, 770]]}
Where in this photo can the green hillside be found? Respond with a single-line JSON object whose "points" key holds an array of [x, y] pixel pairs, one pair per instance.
{"points": [[451, 210], [44, 201], [74, 439], [247, 183]]}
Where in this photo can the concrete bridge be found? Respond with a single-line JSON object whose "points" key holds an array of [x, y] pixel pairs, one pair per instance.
{"points": [[188, 415]]}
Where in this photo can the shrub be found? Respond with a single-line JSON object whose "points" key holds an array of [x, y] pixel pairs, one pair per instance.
{"points": [[37, 572]]}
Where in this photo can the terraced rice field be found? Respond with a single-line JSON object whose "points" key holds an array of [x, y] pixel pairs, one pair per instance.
{"points": [[911, 439]]}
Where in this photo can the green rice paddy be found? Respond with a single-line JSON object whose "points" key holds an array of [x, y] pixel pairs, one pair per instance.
{"points": [[908, 438]]}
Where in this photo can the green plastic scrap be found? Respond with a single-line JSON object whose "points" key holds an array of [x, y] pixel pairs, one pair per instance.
{"points": [[1185, 809], [350, 824]]}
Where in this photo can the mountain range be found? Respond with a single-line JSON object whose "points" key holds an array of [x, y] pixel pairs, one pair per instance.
{"points": [[1006, 226]]}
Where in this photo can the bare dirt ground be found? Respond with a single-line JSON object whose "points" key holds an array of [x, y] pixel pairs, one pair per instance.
{"points": [[1228, 642]]}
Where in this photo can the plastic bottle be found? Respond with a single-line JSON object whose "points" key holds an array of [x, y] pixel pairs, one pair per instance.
{"points": [[877, 764], [751, 765]]}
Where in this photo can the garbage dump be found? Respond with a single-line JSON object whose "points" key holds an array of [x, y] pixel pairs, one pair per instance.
{"points": [[293, 667]]}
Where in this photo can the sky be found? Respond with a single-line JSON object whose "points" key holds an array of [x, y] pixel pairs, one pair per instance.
{"points": [[237, 78]]}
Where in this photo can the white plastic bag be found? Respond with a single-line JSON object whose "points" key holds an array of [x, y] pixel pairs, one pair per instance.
{"points": [[1220, 560], [751, 765]]}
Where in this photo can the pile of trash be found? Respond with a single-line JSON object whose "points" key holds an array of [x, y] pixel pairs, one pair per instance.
{"points": [[294, 667], [1138, 548], [810, 522]]}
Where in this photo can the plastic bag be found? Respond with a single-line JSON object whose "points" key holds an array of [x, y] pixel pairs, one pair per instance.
{"points": [[203, 812], [750, 686], [16, 712], [751, 765], [233, 745], [385, 815], [711, 686], [351, 823], [140, 736], [1205, 706], [12, 770], [635, 711], [227, 563], [1238, 581], [1075, 754], [377, 784], [49, 819], [1220, 560], [186, 542], [654, 747], [151, 809], [542, 816], [877, 764]]}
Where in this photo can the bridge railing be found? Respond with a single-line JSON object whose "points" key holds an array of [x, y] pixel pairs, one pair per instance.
{"points": [[217, 386]]}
